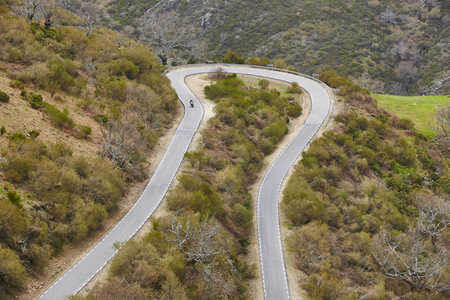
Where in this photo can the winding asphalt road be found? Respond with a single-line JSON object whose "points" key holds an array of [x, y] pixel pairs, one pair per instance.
{"points": [[271, 253]]}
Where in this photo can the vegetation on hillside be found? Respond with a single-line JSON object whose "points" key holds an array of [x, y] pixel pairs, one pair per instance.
{"points": [[397, 47], [421, 109], [198, 250], [51, 195], [368, 207]]}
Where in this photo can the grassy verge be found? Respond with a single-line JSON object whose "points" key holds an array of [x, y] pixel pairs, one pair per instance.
{"points": [[420, 109]]}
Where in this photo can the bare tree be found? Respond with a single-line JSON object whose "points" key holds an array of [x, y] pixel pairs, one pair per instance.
{"points": [[442, 123], [217, 73], [50, 12], [90, 12], [165, 32], [434, 217], [123, 141], [197, 241], [406, 258], [28, 9], [389, 16]]}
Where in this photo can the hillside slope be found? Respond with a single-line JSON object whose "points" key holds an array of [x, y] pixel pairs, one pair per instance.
{"points": [[81, 116], [397, 47], [363, 208]]}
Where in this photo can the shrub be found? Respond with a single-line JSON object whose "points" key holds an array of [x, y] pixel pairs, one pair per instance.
{"points": [[294, 88], [12, 273], [324, 286], [18, 136], [34, 133], [117, 90], [242, 216], [406, 124], [264, 83], [35, 101], [83, 131], [17, 84], [4, 97], [311, 238], [58, 118], [124, 67], [2, 130], [233, 58], [14, 198], [101, 118], [294, 110]]}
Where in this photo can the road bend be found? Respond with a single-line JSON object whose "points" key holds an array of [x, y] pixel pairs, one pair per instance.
{"points": [[273, 272]]}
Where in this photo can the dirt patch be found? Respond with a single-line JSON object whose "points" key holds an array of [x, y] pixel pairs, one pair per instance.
{"points": [[12, 117]]}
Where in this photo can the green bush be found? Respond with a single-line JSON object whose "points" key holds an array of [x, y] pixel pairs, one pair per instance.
{"points": [[2, 130], [116, 90], [18, 136], [101, 118], [406, 124], [58, 118], [233, 58], [294, 88], [17, 84], [83, 131], [124, 68], [12, 274], [264, 83], [294, 110], [14, 198], [4, 97], [35, 101], [34, 133]]}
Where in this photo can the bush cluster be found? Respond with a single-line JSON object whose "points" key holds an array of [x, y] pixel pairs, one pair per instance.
{"points": [[4, 97], [359, 179], [73, 195], [68, 197]]}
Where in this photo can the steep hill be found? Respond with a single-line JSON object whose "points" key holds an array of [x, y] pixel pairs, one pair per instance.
{"points": [[363, 208], [398, 47], [79, 116]]}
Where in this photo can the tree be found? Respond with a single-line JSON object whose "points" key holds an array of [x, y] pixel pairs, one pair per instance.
{"points": [[434, 217], [28, 9], [389, 16], [217, 73], [406, 257], [442, 123], [165, 33], [123, 141], [233, 58], [50, 12], [198, 242], [279, 63], [90, 13]]}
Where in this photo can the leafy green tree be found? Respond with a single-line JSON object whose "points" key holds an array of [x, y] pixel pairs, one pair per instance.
{"points": [[233, 58]]}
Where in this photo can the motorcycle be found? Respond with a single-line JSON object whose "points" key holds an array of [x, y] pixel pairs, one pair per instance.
{"points": [[191, 103]]}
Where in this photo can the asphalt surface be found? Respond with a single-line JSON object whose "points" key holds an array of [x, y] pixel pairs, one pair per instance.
{"points": [[271, 253]]}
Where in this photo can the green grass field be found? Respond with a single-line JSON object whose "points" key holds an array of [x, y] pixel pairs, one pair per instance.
{"points": [[420, 109]]}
